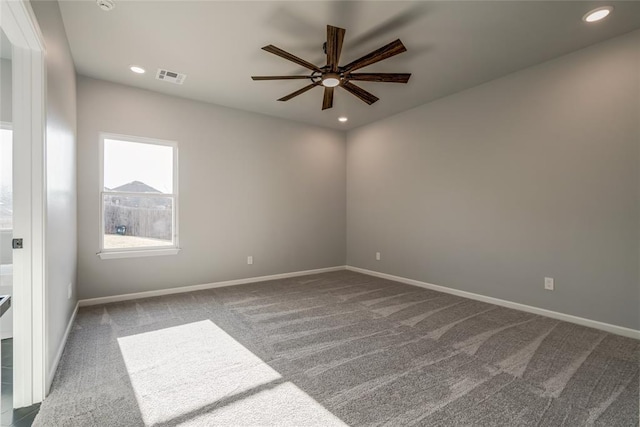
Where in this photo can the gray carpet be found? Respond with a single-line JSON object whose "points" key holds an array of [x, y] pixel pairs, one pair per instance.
{"points": [[334, 349]]}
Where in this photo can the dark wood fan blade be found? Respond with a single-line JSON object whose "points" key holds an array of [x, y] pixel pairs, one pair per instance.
{"points": [[392, 49], [279, 77], [335, 37], [327, 102], [367, 97], [298, 92], [380, 77], [286, 55]]}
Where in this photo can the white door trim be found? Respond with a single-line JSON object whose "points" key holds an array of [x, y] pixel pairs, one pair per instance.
{"points": [[20, 25]]}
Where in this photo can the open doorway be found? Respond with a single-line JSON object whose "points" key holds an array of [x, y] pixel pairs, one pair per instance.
{"points": [[6, 229], [6, 220], [22, 208], [10, 416], [6, 185]]}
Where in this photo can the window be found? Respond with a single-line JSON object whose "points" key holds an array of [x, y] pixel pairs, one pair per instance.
{"points": [[138, 196], [6, 177]]}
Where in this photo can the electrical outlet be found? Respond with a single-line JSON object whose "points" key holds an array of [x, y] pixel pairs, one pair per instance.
{"points": [[69, 291], [250, 260], [378, 256], [549, 283]]}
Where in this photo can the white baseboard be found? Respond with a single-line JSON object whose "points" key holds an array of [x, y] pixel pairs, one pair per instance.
{"points": [[614, 329], [183, 289], [63, 343]]}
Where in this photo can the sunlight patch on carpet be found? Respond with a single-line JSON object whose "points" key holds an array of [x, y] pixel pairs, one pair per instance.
{"points": [[197, 374]]}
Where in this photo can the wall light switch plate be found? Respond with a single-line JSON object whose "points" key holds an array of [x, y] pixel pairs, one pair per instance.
{"points": [[250, 260], [378, 256], [549, 283]]}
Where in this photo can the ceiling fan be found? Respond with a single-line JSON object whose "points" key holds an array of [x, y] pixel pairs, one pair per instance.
{"points": [[332, 75]]}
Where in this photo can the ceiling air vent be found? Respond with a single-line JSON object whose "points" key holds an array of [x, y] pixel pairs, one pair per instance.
{"points": [[170, 76]]}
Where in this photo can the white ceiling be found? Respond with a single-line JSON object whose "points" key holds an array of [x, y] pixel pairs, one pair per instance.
{"points": [[452, 45]]}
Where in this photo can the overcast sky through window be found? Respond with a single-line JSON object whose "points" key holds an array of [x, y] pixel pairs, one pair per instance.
{"points": [[125, 162]]}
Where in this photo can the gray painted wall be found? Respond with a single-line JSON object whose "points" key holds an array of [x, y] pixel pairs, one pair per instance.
{"points": [[490, 190], [249, 185], [61, 227]]}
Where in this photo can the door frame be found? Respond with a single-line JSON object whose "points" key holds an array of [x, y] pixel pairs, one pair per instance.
{"points": [[19, 23]]}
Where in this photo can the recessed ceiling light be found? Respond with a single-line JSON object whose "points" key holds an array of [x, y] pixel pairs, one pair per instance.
{"points": [[342, 119], [136, 69], [597, 14]]}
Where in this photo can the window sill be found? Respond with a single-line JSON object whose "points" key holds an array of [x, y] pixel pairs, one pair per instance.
{"points": [[136, 254]]}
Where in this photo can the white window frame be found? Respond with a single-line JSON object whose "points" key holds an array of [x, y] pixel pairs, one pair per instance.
{"points": [[139, 251]]}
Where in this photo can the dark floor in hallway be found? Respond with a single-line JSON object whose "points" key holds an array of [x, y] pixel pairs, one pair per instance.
{"points": [[22, 417]]}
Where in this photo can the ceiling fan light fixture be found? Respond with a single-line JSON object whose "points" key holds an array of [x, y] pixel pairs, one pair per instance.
{"points": [[597, 14], [330, 80]]}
